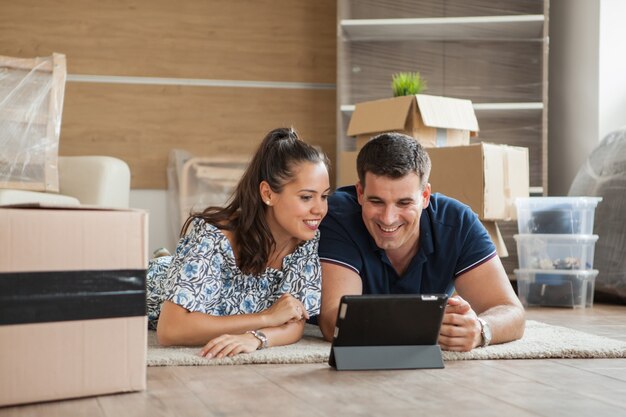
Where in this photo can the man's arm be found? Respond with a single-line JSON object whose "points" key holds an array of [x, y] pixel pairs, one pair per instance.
{"points": [[490, 296], [337, 281]]}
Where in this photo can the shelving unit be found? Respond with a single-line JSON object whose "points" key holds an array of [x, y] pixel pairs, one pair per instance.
{"points": [[492, 52], [498, 28]]}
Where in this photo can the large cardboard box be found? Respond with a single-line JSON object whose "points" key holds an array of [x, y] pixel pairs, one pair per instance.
{"points": [[434, 121], [486, 177], [72, 303]]}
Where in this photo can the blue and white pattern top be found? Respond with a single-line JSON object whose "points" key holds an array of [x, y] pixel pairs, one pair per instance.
{"points": [[202, 276]]}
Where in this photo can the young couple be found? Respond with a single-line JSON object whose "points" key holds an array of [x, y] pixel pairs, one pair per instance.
{"points": [[248, 276]]}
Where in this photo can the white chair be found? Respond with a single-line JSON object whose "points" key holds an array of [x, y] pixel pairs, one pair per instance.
{"points": [[101, 181]]}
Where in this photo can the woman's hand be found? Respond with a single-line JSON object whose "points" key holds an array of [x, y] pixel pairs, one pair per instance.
{"points": [[284, 310], [230, 345]]}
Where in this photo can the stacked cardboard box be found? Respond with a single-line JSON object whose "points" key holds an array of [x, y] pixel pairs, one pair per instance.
{"points": [[72, 302], [487, 177]]}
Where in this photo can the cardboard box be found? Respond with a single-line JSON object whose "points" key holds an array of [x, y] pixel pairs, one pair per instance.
{"points": [[72, 303], [47, 238], [486, 177], [58, 360], [434, 121]]}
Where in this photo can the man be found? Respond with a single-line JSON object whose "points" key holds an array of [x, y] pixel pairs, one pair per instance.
{"points": [[389, 235]]}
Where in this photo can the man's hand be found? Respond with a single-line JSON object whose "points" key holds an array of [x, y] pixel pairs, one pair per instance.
{"points": [[460, 330]]}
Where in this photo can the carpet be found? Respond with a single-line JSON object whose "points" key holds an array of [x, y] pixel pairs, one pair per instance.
{"points": [[540, 341]]}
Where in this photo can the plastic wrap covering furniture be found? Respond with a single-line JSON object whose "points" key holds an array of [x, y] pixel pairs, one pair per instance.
{"points": [[101, 181], [195, 183], [604, 175], [31, 103]]}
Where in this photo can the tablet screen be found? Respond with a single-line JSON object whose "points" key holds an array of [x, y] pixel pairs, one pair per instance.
{"points": [[382, 320]]}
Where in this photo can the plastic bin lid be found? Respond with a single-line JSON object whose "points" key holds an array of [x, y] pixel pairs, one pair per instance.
{"points": [[547, 202], [557, 238], [582, 273]]}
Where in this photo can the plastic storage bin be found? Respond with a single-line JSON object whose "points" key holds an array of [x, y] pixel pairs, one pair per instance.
{"points": [[556, 215], [562, 252], [556, 288]]}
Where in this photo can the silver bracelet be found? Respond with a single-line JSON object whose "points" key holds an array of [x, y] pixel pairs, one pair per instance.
{"points": [[261, 336]]}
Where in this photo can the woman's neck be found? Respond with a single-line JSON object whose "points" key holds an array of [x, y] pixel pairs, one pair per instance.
{"points": [[282, 248]]}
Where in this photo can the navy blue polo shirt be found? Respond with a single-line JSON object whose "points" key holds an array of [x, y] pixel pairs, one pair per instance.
{"points": [[452, 241]]}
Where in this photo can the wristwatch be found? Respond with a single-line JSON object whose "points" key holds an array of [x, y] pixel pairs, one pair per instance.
{"points": [[485, 332], [261, 336]]}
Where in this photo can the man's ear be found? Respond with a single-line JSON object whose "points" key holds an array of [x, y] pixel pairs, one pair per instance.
{"points": [[266, 192], [426, 195], [359, 192]]}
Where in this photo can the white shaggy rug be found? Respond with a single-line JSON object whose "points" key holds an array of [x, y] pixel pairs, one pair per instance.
{"points": [[540, 341]]}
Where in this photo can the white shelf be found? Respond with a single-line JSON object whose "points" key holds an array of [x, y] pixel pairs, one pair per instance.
{"points": [[478, 107], [476, 28]]}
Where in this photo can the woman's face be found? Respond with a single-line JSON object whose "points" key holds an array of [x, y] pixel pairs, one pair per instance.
{"points": [[296, 212]]}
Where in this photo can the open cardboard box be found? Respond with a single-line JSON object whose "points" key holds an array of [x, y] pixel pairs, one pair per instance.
{"points": [[72, 302], [434, 121]]}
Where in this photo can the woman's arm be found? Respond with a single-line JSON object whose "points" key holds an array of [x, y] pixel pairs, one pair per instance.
{"points": [[230, 345], [179, 326]]}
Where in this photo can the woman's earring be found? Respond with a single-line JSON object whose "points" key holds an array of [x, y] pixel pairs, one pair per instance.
{"points": [[267, 202]]}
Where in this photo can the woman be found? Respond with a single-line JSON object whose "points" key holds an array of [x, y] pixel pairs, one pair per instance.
{"points": [[246, 276]]}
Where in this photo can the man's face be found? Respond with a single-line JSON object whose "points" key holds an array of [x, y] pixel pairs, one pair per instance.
{"points": [[391, 210]]}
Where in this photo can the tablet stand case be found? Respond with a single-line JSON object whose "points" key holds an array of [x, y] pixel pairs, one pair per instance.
{"points": [[352, 358], [374, 334]]}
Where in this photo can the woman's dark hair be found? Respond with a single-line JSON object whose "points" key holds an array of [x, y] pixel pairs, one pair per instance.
{"points": [[280, 152], [393, 155]]}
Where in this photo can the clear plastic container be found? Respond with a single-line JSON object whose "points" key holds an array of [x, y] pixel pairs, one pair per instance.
{"points": [[552, 252], [555, 288], [556, 215]]}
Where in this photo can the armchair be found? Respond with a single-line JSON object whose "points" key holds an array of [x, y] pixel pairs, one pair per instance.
{"points": [[83, 180]]}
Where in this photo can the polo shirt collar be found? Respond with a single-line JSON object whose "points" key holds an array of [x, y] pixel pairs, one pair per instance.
{"points": [[427, 244]]}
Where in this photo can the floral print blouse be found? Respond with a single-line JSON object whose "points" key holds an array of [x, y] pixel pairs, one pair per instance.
{"points": [[202, 276]]}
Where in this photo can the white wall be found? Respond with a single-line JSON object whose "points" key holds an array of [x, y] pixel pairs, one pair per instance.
{"points": [[612, 74], [161, 231], [572, 89], [587, 82]]}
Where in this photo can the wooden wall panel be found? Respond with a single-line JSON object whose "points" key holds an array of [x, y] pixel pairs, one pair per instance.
{"points": [[141, 123], [269, 40], [207, 40]]}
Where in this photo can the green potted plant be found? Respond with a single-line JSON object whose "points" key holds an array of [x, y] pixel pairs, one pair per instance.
{"points": [[407, 83]]}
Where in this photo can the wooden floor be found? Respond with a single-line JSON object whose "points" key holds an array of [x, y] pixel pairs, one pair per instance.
{"points": [[576, 387]]}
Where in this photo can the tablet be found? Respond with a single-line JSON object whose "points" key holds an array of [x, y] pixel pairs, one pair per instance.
{"points": [[388, 320]]}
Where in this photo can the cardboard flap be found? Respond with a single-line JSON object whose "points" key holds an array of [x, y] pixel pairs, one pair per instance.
{"points": [[448, 113], [380, 115], [506, 178], [495, 202], [517, 177], [496, 237]]}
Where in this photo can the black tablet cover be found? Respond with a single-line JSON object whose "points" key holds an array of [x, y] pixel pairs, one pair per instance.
{"points": [[388, 320]]}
